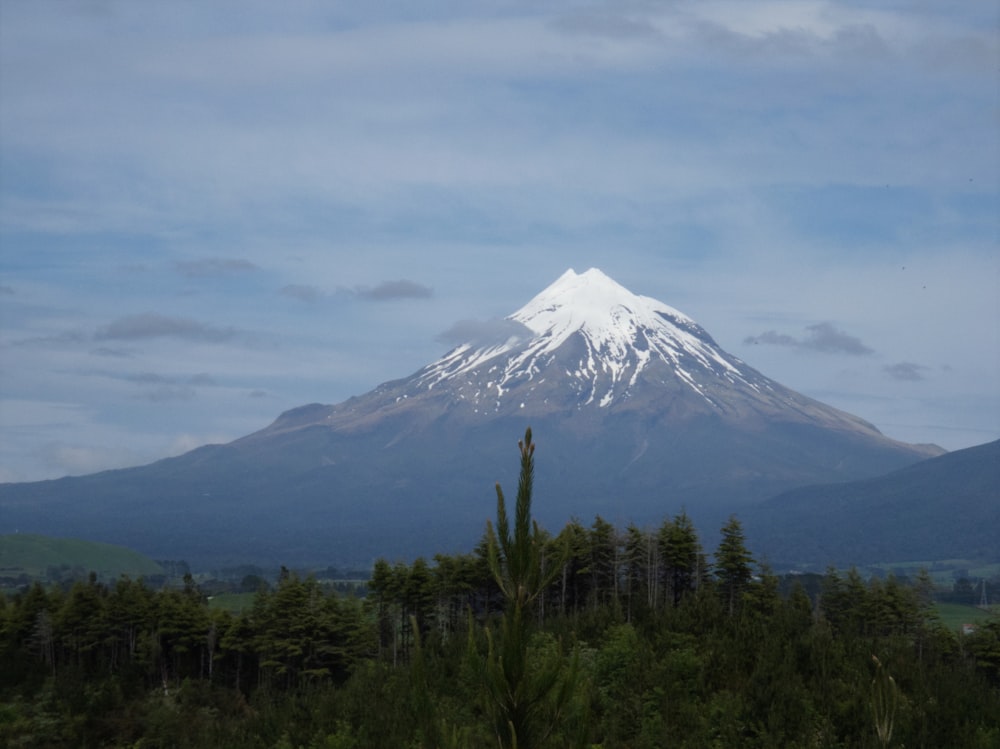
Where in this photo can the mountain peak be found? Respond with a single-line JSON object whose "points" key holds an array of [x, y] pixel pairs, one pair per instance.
{"points": [[599, 338], [592, 278], [595, 304]]}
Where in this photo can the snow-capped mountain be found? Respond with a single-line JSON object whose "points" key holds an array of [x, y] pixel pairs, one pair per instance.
{"points": [[600, 339], [636, 413], [586, 344]]}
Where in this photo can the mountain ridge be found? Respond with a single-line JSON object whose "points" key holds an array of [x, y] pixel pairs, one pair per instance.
{"points": [[946, 507]]}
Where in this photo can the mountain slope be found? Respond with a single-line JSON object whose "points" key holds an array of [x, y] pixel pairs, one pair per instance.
{"points": [[636, 411], [943, 508]]}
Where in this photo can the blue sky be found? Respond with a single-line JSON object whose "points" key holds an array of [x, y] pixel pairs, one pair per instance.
{"points": [[211, 212]]}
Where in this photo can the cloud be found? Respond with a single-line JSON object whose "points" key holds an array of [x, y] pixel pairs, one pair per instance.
{"points": [[822, 337], [6, 290], [165, 393], [152, 325], [772, 337], [608, 24], [483, 333], [74, 460], [161, 388], [109, 351], [212, 267], [390, 290], [302, 292], [186, 442], [69, 336], [151, 378], [905, 371]]}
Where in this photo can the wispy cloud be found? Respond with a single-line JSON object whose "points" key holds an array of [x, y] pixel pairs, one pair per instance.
{"points": [[69, 459], [152, 378], [823, 337], [302, 292], [484, 332], [113, 352], [391, 290], [152, 325], [386, 291], [905, 371], [166, 393], [213, 267], [607, 23], [160, 388], [56, 339]]}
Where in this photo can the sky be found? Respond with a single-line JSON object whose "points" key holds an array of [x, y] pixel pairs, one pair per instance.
{"points": [[211, 212]]}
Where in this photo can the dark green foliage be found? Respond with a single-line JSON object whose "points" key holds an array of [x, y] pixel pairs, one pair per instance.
{"points": [[595, 637], [120, 665], [682, 561], [733, 566], [527, 680]]}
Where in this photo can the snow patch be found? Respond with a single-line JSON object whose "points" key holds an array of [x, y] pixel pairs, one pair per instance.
{"points": [[623, 334]]}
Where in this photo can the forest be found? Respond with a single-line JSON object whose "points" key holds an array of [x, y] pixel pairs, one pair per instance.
{"points": [[595, 637]]}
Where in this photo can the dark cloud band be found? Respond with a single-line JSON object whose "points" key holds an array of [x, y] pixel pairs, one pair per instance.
{"points": [[390, 290], [302, 292], [905, 371], [151, 325], [213, 266], [822, 337]]}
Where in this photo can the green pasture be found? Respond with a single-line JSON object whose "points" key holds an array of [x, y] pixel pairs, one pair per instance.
{"points": [[954, 615], [235, 603], [26, 553]]}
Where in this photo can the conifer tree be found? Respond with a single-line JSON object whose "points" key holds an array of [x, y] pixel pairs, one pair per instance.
{"points": [[603, 562], [642, 561], [733, 561], [681, 557], [525, 700]]}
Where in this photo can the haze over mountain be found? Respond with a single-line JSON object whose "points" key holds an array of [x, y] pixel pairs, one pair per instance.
{"points": [[637, 413]]}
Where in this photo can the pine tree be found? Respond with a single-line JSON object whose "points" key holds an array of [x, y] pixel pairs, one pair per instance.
{"points": [[418, 591], [733, 565], [380, 589], [575, 579], [642, 562], [603, 562], [680, 556], [525, 698]]}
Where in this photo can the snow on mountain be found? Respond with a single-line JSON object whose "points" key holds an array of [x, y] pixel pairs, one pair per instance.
{"points": [[621, 335], [589, 346]]}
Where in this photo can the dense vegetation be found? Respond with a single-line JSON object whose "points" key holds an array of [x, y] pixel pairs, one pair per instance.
{"points": [[593, 637]]}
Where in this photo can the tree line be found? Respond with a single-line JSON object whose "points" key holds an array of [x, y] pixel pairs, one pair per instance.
{"points": [[592, 637]]}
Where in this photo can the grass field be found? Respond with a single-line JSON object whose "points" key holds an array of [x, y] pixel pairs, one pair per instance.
{"points": [[33, 555], [235, 603], [943, 571], [954, 615]]}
